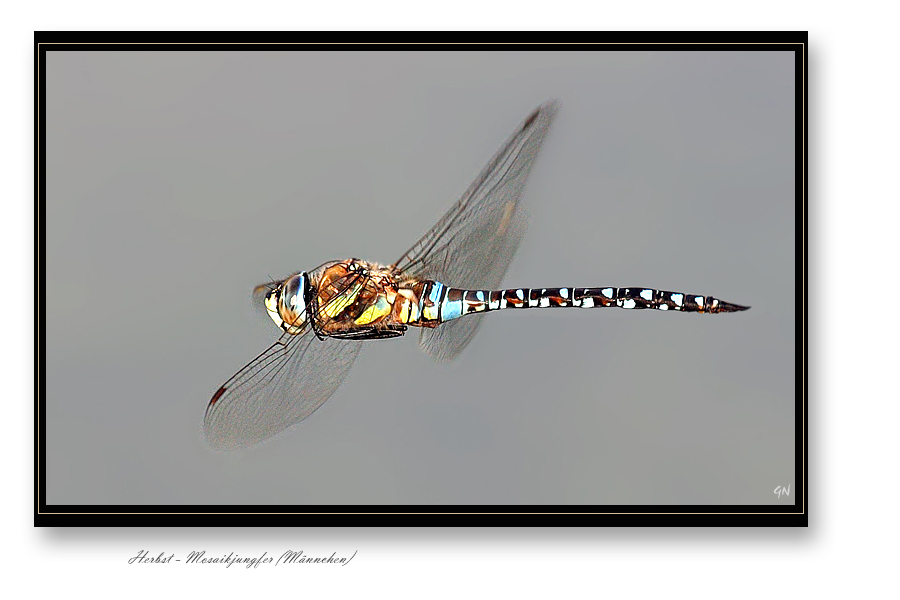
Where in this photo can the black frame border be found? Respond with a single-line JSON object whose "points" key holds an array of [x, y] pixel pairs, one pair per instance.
{"points": [[519, 516]]}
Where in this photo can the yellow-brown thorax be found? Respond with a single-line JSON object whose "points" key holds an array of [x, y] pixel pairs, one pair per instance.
{"points": [[354, 294]]}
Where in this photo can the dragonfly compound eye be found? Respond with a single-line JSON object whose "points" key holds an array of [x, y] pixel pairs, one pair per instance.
{"points": [[286, 304]]}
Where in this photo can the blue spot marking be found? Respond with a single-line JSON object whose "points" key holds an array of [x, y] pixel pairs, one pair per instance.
{"points": [[435, 294], [451, 310], [437, 290]]}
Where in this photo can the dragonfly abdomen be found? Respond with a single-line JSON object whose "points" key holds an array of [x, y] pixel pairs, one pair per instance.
{"points": [[441, 303]]}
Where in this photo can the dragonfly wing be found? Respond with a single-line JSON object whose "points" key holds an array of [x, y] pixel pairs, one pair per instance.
{"points": [[283, 385], [278, 389], [472, 245]]}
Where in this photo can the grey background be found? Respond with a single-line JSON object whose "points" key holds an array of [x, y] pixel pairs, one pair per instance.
{"points": [[177, 181]]}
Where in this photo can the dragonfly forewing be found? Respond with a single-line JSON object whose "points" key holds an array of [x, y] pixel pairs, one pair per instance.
{"points": [[473, 244]]}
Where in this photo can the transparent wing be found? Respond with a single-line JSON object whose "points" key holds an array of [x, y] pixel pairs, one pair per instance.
{"points": [[472, 245], [278, 389]]}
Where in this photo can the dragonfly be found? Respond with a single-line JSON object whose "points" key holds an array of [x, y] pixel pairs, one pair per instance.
{"points": [[324, 314]]}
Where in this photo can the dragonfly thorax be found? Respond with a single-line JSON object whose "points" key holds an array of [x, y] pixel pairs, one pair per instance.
{"points": [[353, 296], [286, 303]]}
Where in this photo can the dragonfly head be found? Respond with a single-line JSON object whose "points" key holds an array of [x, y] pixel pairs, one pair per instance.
{"points": [[286, 303]]}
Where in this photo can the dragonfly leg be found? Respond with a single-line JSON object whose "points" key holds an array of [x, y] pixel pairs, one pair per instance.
{"points": [[371, 333]]}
